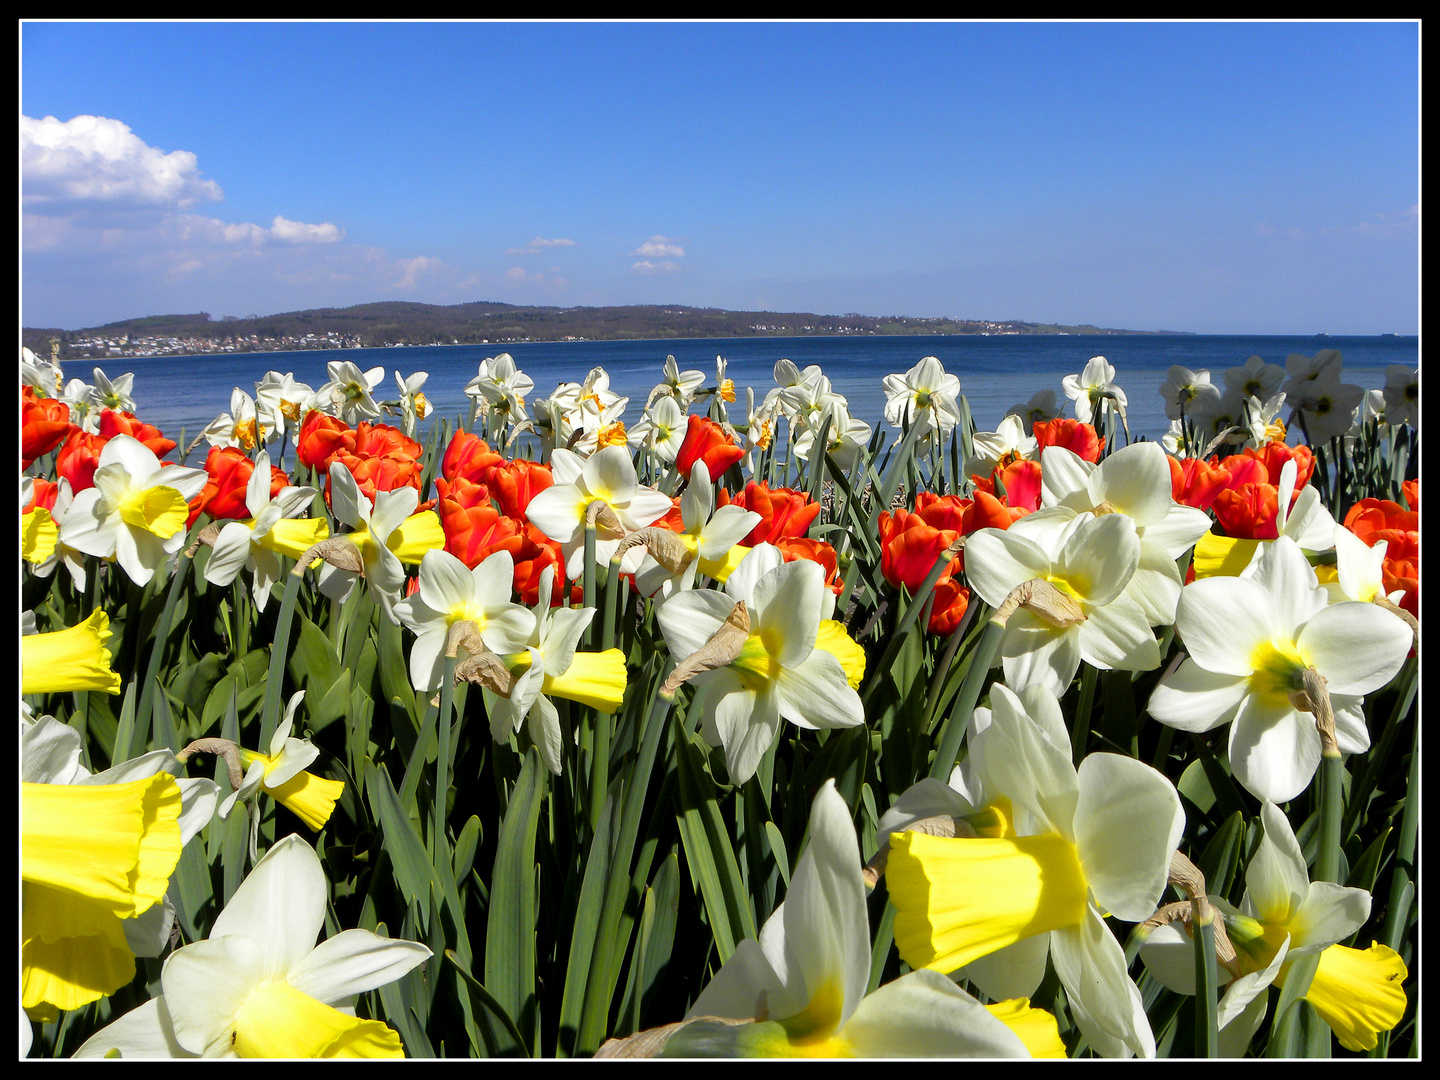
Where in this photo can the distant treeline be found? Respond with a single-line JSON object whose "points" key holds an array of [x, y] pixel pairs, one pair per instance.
{"points": [[400, 322]]}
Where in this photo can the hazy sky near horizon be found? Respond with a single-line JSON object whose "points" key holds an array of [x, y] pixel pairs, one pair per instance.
{"points": [[1248, 178]]}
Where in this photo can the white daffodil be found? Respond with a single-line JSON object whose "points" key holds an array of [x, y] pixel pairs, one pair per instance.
{"points": [[782, 398], [1359, 570], [1040, 408], [1133, 481], [349, 393], [44, 375], [847, 439], [1011, 441], [79, 939], [281, 402], [282, 775], [250, 544], [1285, 916], [608, 477], [723, 394], [805, 401], [1106, 835], [379, 532], [84, 405], [1250, 640], [239, 427], [1402, 395], [450, 593], [783, 669], [501, 388], [1094, 390], [710, 540], [586, 408], [136, 511], [1255, 378], [259, 986], [1326, 406], [1189, 393], [114, 394], [759, 429], [1091, 560], [413, 405], [661, 429], [802, 984], [924, 395], [547, 665], [679, 386], [1301, 370]]}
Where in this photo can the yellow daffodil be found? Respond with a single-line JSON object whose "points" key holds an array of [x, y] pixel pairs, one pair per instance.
{"points": [[77, 658]]}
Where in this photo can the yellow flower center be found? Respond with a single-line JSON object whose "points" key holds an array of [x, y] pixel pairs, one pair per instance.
{"points": [[278, 1021], [756, 665], [160, 510], [1277, 670]]}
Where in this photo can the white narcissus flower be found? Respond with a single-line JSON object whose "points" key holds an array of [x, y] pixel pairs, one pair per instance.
{"points": [[1010, 441], [502, 386], [1094, 390], [1249, 641], [259, 986], [450, 593], [783, 670], [348, 394], [248, 543], [136, 511], [1104, 840], [924, 395], [1040, 408], [83, 403], [1326, 406], [661, 429], [1302, 370], [607, 476], [1285, 916], [679, 386], [1359, 570], [711, 538], [281, 402], [847, 440], [802, 984], [1190, 393], [413, 405], [239, 427], [1092, 561], [386, 533], [781, 398], [114, 394], [1255, 378], [1402, 395], [1134, 481], [548, 665]]}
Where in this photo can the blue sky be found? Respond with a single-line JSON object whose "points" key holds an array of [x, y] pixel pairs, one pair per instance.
{"points": [[1256, 178]]}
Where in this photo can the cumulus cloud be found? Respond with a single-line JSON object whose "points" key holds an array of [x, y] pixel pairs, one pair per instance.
{"points": [[92, 159], [297, 232], [659, 247], [110, 229], [537, 245]]}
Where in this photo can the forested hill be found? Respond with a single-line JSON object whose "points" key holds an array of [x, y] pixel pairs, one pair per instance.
{"points": [[400, 322]]}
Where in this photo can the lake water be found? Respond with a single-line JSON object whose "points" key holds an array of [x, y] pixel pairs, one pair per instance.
{"points": [[176, 393]]}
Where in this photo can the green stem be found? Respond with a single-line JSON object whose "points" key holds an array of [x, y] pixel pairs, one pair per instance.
{"points": [[954, 730], [1207, 1036], [279, 653], [157, 650]]}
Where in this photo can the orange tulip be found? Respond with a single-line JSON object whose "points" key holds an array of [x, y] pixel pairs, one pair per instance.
{"points": [[514, 483], [79, 457], [706, 441], [1374, 520], [1195, 481], [223, 496], [321, 437], [474, 529], [45, 424], [470, 457], [783, 512], [114, 422], [1071, 434], [1249, 511], [816, 551], [909, 548]]}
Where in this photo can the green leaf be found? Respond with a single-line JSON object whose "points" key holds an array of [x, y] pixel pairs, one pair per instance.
{"points": [[510, 927], [501, 1037], [402, 841]]}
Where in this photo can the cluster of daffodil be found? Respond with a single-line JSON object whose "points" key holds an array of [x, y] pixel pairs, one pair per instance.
{"points": [[519, 678]]}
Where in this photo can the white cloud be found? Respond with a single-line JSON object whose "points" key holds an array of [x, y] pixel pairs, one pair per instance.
{"points": [[297, 232], [537, 245], [645, 266], [92, 159], [659, 247], [410, 268]]}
